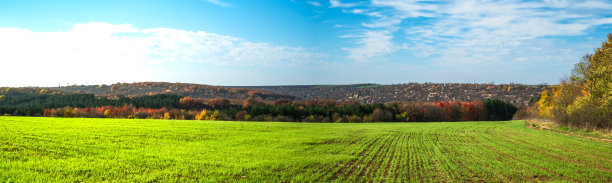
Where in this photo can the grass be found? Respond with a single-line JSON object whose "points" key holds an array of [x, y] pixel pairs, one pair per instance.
{"points": [[553, 127], [93, 150]]}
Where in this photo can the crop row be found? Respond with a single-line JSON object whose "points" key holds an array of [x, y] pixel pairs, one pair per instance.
{"points": [[94, 150]]}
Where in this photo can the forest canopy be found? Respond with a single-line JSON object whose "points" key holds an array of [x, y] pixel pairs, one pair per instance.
{"points": [[172, 106]]}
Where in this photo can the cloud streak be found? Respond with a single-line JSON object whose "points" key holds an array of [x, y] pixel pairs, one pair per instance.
{"points": [[371, 44], [337, 3], [314, 3], [218, 2], [480, 28]]}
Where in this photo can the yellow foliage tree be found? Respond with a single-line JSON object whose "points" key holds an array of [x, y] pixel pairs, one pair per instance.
{"points": [[544, 106], [44, 91], [107, 113], [214, 115], [166, 115], [201, 115], [584, 100]]}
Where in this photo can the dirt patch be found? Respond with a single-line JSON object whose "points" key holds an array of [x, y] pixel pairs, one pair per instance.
{"points": [[329, 141]]}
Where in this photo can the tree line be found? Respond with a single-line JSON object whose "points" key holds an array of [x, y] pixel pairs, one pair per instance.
{"points": [[583, 100], [171, 106], [34, 104], [310, 111]]}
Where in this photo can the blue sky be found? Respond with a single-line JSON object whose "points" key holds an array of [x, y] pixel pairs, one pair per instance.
{"points": [[280, 42]]}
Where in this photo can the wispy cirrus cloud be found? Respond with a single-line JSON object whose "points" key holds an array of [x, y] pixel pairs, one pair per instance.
{"points": [[339, 4], [218, 2], [371, 44], [314, 3], [480, 28]]}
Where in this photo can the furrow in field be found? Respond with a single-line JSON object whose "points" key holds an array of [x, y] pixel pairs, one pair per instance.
{"points": [[411, 158], [327, 172], [419, 161], [448, 139], [401, 156], [448, 165], [523, 162], [586, 152], [100, 150], [488, 168], [375, 162], [442, 160], [431, 159], [541, 155], [583, 145], [390, 159], [367, 167], [348, 167], [414, 160], [353, 165], [496, 163], [507, 159], [459, 146], [385, 166], [545, 150], [583, 152]]}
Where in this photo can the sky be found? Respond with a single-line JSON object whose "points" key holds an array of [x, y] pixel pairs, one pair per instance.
{"points": [[295, 42]]}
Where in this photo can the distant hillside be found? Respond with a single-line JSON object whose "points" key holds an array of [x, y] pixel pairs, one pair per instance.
{"points": [[516, 94], [183, 89]]}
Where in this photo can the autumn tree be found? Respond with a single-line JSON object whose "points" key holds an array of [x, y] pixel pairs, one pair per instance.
{"points": [[402, 117], [202, 115], [242, 116], [282, 101], [190, 103], [593, 110], [544, 104], [584, 100], [251, 102], [219, 103]]}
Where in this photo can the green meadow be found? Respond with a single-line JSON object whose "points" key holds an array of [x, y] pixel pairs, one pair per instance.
{"points": [[37, 149]]}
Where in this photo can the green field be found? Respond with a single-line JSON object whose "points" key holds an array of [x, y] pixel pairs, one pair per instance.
{"points": [[93, 150]]}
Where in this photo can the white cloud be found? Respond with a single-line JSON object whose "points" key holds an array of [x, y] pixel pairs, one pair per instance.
{"points": [[478, 31], [370, 45], [383, 22], [602, 21], [337, 3], [409, 8], [593, 5], [106, 52], [357, 11], [314, 3], [217, 2], [470, 30]]}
